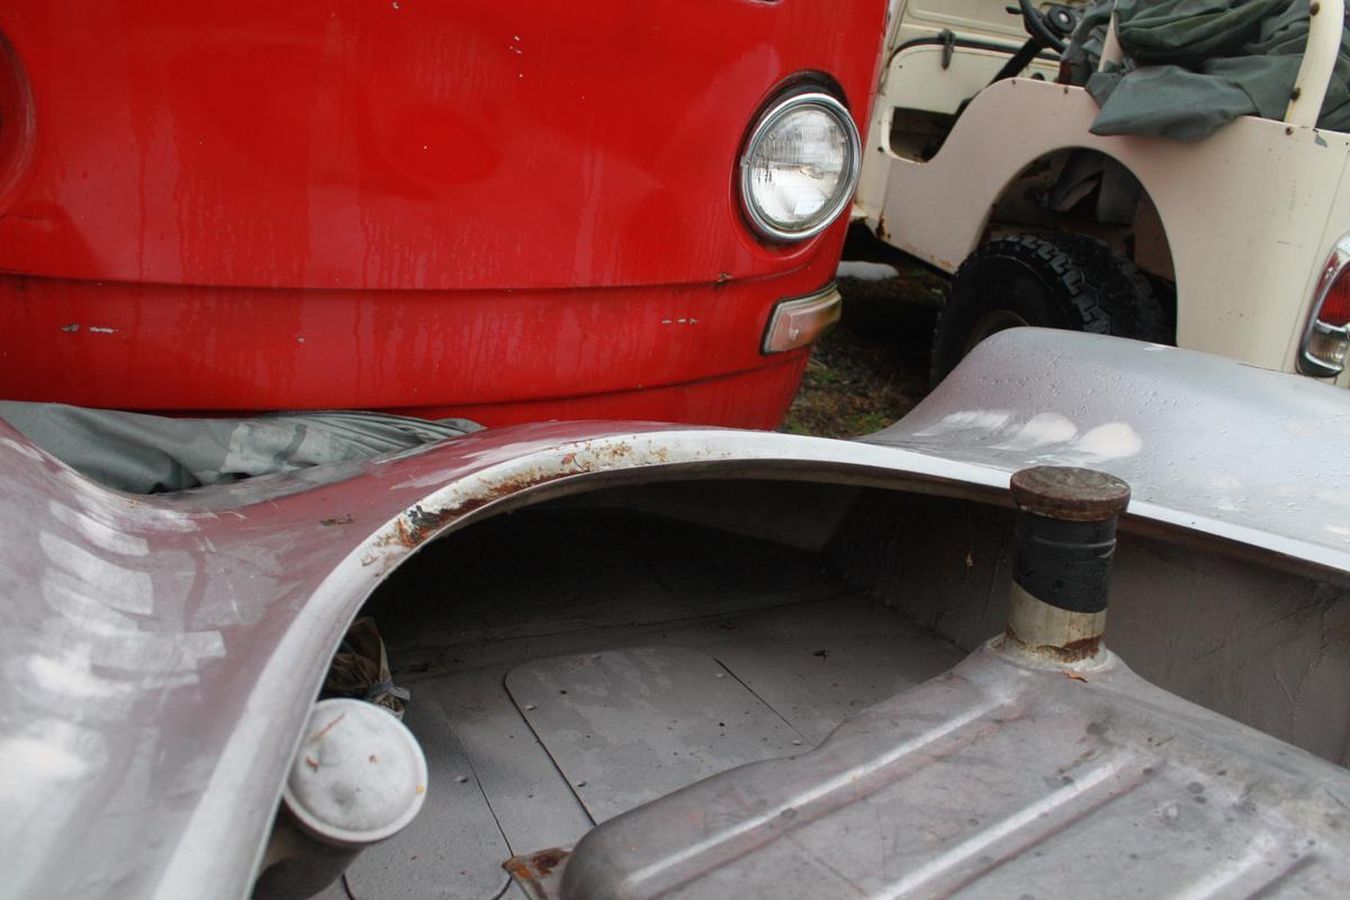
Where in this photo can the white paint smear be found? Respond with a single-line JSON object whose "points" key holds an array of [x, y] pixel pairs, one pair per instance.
{"points": [[37, 762], [103, 536], [983, 419], [1114, 440], [1038, 431], [122, 588], [70, 676]]}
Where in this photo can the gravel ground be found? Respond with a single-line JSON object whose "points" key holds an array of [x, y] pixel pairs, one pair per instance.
{"points": [[873, 367]]}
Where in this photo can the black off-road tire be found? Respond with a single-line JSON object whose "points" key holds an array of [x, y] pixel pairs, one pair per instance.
{"points": [[1054, 281]]}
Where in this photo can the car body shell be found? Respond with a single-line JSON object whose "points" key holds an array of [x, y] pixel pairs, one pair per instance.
{"points": [[161, 653]]}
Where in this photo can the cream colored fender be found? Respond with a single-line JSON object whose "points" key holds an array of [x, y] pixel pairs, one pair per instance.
{"points": [[1249, 213]]}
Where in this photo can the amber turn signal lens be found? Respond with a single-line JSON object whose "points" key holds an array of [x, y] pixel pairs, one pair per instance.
{"points": [[796, 323]]}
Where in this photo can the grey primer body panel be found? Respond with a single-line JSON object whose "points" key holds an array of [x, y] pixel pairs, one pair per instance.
{"points": [[1221, 446], [995, 780], [161, 653], [628, 726]]}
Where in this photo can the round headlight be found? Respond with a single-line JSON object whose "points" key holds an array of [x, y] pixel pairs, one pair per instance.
{"points": [[800, 166]]}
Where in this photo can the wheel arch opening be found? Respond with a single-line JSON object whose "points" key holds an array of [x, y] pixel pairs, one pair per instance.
{"points": [[1089, 192]]}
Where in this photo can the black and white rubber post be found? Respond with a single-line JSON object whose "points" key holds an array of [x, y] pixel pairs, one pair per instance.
{"points": [[1065, 538]]}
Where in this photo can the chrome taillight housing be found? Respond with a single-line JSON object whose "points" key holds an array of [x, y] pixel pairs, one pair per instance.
{"points": [[1326, 339]]}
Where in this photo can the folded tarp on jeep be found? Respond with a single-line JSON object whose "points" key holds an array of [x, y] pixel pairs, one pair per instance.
{"points": [[1192, 66]]}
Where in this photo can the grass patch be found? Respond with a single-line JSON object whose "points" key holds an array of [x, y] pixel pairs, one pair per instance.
{"points": [[873, 367]]}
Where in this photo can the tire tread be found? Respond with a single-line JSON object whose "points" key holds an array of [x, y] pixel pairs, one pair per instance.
{"points": [[1099, 291]]}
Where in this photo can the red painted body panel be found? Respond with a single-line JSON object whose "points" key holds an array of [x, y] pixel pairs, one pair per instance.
{"points": [[446, 206]]}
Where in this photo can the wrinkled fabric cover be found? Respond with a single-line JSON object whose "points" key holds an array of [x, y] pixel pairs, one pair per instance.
{"points": [[360, 669], [1192, 66], [146, 454]]}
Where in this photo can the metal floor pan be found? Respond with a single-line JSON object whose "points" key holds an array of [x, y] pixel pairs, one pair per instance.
{"points": [[994, 780], [760, 654], [989, 780]]}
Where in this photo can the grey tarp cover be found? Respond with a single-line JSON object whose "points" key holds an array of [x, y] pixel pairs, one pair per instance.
{"points": [[145, 454], [1192, 66]]}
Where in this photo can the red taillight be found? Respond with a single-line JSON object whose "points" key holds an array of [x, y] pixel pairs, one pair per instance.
{"points": [[1335, 309], [1326, 340]]}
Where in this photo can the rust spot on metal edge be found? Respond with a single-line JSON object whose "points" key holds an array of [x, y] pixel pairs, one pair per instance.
{"points": [[415, 526], [1082, 648], [1074, 651], [535, 866]]}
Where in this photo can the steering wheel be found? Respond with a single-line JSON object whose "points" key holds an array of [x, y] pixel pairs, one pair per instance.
{"points": [[1051, 27]]}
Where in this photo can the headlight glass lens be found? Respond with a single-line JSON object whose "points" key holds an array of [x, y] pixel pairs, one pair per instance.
{"points": [[800, 166]]}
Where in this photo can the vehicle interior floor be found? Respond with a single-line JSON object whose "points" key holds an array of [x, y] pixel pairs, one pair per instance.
{"points": [[569, 665]]}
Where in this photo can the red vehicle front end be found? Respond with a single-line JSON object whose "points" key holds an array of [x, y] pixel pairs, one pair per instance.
{"points": [[505, 211]]}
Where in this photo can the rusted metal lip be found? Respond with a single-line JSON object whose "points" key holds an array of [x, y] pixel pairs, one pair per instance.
{"points": [[537, 874], [1069, 493], [535, 865], [1074, 651]]}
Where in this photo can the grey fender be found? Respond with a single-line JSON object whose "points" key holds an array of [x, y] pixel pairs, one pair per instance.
{"points": [[160, 653]]}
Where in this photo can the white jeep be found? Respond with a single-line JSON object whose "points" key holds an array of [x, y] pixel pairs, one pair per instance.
{"points": [[981, 162]]}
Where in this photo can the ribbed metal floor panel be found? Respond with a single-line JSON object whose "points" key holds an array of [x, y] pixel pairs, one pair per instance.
{"points": [[996, 780], [798, 670], [664, 610]]}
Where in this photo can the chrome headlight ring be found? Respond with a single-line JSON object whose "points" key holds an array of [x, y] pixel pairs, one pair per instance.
{"points": [[808, 140]]}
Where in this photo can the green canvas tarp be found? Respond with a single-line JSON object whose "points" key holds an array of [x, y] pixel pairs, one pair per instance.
{"points": [[1192, 66]]}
